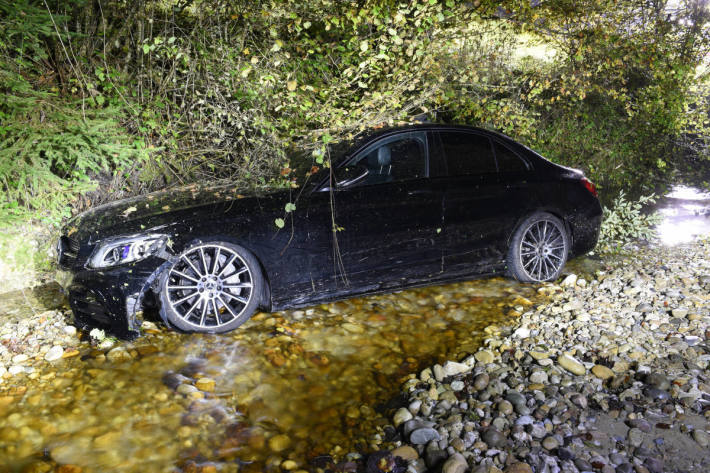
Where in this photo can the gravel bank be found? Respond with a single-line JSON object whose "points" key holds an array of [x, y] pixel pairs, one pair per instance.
{"points": [[610, 375]]}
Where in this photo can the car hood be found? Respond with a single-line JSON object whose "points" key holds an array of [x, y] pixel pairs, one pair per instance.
{"points": [[147, 209]]}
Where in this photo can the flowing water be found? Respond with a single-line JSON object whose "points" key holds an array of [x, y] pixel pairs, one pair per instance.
{"points": [[304, 385], [289, 385]]}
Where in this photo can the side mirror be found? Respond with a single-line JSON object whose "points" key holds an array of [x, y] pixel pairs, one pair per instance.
{"points": [[350, 175]]}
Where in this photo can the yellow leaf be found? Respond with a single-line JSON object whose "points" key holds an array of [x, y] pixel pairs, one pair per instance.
{"points": [[291, 85]]}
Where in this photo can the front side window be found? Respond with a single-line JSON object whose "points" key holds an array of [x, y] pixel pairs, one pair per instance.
{"points": [[393, 159], [467, 154]]}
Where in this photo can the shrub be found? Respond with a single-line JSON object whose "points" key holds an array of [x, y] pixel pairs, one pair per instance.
{"points": [[626, 222]]}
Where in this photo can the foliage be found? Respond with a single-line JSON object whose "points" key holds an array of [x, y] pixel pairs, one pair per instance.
{"points": [[626, 222], [222, 90], [51, 149]]}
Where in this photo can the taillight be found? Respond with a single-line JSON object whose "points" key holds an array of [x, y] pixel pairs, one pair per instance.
{"points": [[589, 185]]}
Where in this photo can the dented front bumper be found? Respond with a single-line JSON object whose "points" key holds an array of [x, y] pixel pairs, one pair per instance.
{"points": [[112, 298]]}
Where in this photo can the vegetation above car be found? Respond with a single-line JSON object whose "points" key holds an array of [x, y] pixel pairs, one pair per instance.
{"points": [[132, 97]]}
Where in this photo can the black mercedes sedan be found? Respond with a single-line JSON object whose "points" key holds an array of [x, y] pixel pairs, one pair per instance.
{"points": [[400, 207]]}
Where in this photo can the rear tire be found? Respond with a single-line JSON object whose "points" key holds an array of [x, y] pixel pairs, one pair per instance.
{"points": [[213, 287], [538, 249]]}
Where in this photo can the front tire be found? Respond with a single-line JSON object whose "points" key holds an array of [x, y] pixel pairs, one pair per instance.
{"points": [[213, 287], [538, 249]]}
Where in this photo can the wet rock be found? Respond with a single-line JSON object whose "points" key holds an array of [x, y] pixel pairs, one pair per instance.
{"points": [[186, 389], [205, 384], [54, 353], [423, 436], [455, 464], [602, 372], [550, 443], [405, 452], [658, 381], [519, 468], [401, 416], [571, 364], [493, 438], [481, 381], [451, 368], [484, 356], [701, 437], [279, 443], [624, 468], [654, 465], [635, 437], [118, 355]]}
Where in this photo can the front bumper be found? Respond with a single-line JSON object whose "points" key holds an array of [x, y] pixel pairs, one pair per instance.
{"points": [[112, 298]]}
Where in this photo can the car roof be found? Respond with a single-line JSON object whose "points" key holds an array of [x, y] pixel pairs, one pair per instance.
{"points": [[348, 147]]}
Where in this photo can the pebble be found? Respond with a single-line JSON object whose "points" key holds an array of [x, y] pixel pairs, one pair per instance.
{"points": [[571, 364], [423, 436], [279, 443], [405, 452], [602, 372], [493, 438], [519, 468], [401, 416], [456, 463], [484, 356], [550, 443], [205, 384], [54, 353], [118, 355], [701, 437]]}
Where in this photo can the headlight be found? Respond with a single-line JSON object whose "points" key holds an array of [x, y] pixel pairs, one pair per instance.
{"points": [[122, 250]]}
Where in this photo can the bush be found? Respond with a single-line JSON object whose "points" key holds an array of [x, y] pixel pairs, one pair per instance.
{"points": [[625, 222]]}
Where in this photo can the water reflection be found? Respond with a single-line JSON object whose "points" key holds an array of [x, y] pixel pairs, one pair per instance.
{"points": [[686, 215], [287, 386]]}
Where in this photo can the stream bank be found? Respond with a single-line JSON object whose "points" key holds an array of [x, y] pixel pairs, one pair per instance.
{"points": [[610, 375]]}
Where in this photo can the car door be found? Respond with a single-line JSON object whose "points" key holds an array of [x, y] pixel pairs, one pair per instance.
{"points": [[387, 215], [519, 186], [473, 203]]}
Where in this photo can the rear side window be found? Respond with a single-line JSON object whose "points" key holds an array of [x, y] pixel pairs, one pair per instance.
{"points": [[467, 154], [508, 161]]}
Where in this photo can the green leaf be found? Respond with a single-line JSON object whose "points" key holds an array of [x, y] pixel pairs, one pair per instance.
{"points": [[280, 222], [290, 207], [146, 49]]}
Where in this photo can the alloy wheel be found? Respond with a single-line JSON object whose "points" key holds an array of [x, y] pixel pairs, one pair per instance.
{"points": [[542, 249], [209, 286]]}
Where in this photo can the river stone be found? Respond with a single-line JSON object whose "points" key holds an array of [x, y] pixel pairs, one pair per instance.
{"points": [[701, 437], [602, 372], [493, 438], [439, 373], [405, 452], [455, 464], [571, 364], [186, 389], [279, 443], [423, 436], [401, 416], [118, 355], [481, 381], [54, 353], [635, 437], [21, 358], [205, 384], [654, 465], [644, 307], [658, 381], [679, 312], [624, 468], [452, 368], [538, 377], [484, 356], [457, 385], [505, 407], [569, 281], [550, 443], [519, 468]]}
